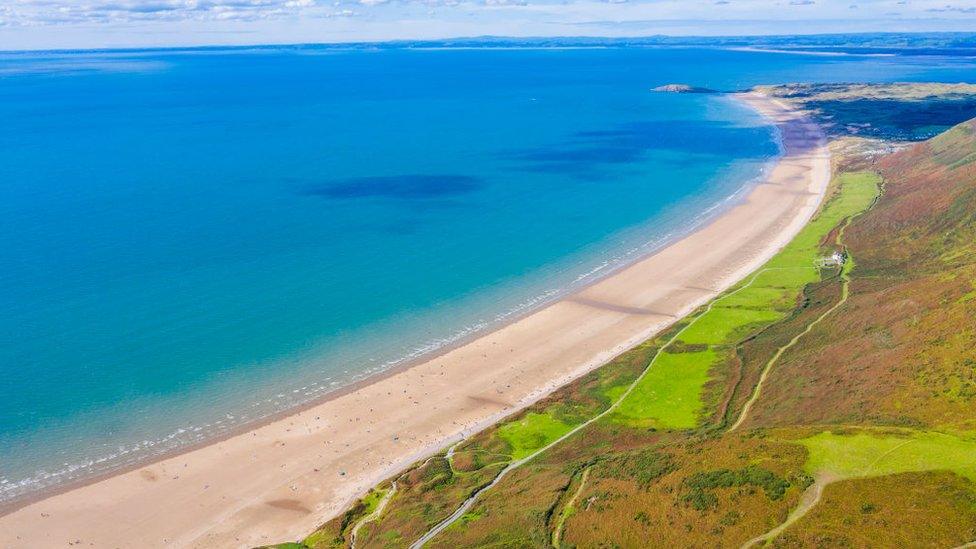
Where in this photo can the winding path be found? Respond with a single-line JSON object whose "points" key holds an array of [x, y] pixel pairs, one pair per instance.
{"points": [[779, 352], [468, 503], [568, 509], [845, 294], [380, 507], [448, 456], [811, 497]]}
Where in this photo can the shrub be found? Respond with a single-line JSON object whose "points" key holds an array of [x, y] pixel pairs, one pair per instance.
{"points": [[701, 485]]}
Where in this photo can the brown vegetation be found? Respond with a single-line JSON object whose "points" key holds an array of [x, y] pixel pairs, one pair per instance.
{"points": [[901, 351]]}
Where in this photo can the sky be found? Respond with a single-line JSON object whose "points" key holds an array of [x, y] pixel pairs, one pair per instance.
{"points": [[53, 24]]}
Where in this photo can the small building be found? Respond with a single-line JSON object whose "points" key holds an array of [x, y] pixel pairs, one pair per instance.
{"points": [[835, 259]]}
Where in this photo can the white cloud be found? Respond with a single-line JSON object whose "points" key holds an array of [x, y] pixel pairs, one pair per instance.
{"points": [[506, 2], [109, 11], [105, 23]]}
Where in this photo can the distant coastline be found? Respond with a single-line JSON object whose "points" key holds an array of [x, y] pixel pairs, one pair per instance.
{"points": [[882, 43]]}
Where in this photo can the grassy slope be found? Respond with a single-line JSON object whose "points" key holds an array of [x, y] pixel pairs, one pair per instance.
{"points": [[708, 491], [670, 395], [901, 353], [932, 509], [868, 454], [532, 432], [768, 297], [898, 353]]}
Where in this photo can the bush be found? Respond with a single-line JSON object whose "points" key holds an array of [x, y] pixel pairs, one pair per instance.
{"points": [[642, 467], [701, 485]]}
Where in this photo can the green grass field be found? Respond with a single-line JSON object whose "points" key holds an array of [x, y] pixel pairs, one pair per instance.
{"points": [[867, 454], [372, 500], [532, 432], [669, 396], [863, 433]]}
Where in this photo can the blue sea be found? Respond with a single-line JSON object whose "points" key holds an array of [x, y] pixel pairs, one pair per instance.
{"points": [[193, 240]]}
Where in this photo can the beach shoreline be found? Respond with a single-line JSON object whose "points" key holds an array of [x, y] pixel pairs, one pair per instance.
{"points": [[77, 476], [612, 266], [278, 480]]}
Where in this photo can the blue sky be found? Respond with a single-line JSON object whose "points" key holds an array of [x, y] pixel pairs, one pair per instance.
{"points": [[41, 24]]}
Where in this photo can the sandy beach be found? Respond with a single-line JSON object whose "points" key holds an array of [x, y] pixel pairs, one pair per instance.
{"points": [[279, 481]]}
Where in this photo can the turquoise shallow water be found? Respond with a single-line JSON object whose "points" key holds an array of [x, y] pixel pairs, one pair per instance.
{"points": [[193, 240]]}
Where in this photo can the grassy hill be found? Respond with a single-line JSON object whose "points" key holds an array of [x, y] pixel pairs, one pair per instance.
{"points": [[805, 407], [903, 351]]}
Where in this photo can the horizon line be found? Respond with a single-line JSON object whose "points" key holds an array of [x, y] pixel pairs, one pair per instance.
{"points": [[488, 39]]}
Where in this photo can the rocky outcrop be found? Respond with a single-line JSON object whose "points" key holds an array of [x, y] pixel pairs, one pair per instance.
{"points": [[681, 88]]}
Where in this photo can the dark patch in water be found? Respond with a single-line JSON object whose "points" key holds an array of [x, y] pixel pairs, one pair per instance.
{"points": [[595, 154], [401, 187], [589, 154]]}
